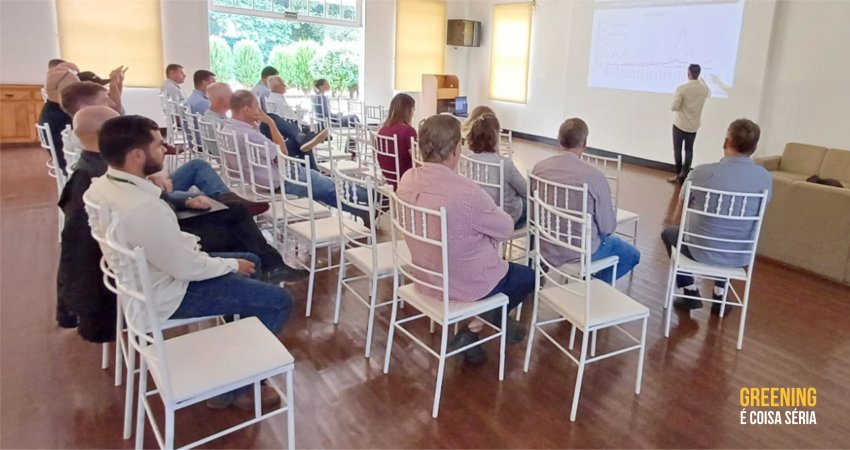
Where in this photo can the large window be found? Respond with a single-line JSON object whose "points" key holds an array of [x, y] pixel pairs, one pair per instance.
{"points": [[509, 53], [304, 40], [420, 42], [100, 35]]}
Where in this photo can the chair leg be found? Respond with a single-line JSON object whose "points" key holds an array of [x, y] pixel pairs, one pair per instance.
{"points": [[579, 377], [169, 427], [120, 346], [504, 333], [572, 337], [669, 301], [532, 330], [373, 296], [104, 356], [290, 413], [746, 302], [593, 343], [339, 283], [440, 371], [140, 408], [128, 389], [634, 242], [725, 294], [640, 357], [312, 280], [258, 400], [518, 312], [390, 334]]}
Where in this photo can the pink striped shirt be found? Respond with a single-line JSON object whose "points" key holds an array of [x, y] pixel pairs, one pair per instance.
{"points": [[475, 225]]}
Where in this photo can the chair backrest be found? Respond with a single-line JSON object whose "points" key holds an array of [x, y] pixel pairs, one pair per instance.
{"points": [[262, 169], [571, 199], [561, 229], [611, 168], [374, 115], [365, 152], [356, 108], [207, 130], [100, 217], [296, 172], [416, 153], [349, 189], [425, 232], [385, 148], [175, 127], [70, 149], [53, 169], [321, 114], [140, 308], [506, 139], [192, 131], [739, 214], [231, 159], [489, 176]]}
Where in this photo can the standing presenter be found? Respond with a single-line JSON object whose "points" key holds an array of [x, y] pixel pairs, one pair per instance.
{"points": [[687, 109]]}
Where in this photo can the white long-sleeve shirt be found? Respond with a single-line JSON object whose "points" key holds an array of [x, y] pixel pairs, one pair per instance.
{"points": [[282, 106], [687, 105], [173, 257]]}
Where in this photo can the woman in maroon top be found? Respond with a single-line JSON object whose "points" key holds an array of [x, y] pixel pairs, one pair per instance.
{"points": [[398, 125]]}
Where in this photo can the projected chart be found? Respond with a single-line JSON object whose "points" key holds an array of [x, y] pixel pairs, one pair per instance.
{"points": [[649, 48]]}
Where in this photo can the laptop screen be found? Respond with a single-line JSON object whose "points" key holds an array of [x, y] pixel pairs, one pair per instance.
{"points": [[460, 106]]}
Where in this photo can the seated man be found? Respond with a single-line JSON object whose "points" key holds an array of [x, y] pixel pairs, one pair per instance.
{"points": [[174, 77], [277, 95], [198, 102], [246, 111], [80, 289], [567, 168], [261, 89], [475, 224], [299, 142], [187, 282], [196, 172], [735, 172], [322, 107]]}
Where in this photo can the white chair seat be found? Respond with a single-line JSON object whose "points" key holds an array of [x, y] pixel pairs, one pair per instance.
{"points": [[608, 305], [327, 229], [300, 206], [342, 166], [218, 357], [689, 265], [361, 257], [433, 307], [624, 216], [574, 268]]}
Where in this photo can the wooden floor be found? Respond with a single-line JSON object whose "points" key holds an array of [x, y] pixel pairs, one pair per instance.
{"points": [[54, 394]]}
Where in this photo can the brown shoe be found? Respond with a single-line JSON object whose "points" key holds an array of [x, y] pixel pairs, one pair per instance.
{"points": [[254, 208], [268, 398]]}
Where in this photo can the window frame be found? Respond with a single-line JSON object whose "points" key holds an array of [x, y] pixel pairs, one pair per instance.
{"points": [[490, 93], [252, 11]]}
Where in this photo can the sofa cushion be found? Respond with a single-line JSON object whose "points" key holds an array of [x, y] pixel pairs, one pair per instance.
{"points": [[836, 164], [801, 158]]}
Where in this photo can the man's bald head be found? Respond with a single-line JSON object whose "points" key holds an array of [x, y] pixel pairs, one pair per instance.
{"points": [[219, 95], [276, 85], [87, 124]]}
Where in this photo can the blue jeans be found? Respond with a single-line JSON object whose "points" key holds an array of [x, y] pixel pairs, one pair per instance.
{"points": [[614, 246], [198, 173], [517, 284], [324, 190], [237, 294]]}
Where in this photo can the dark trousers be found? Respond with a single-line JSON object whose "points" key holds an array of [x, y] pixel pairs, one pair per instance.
{"points": [[294, 136], [517, 284], [670, 237], [53, 115], [232, 230], [683, 137]]}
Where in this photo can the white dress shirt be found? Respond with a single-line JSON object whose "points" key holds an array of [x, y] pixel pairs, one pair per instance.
{"points": [[174, 258], [687, 105], [282, 106]]}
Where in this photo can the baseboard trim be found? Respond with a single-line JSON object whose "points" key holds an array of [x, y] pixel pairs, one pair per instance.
{"points": [[667, 167]]}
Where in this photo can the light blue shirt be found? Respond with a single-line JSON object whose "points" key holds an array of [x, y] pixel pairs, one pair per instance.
{"points": [[733, 174], [198, 102]]}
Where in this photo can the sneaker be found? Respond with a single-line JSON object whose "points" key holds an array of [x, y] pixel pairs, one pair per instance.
{"points": [[474, 355], [688, 304], [277, 275], [715, 307], [320, 137]]}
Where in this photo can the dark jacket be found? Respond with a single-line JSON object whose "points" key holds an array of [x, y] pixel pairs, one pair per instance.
{"points": [[80, 280], [53, 115]]}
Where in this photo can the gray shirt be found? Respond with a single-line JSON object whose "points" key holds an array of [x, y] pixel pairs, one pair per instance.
{"points": [[514, 185], [567, 168], [172, 90], [218, 120], [261, 91], [734, 174]]}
